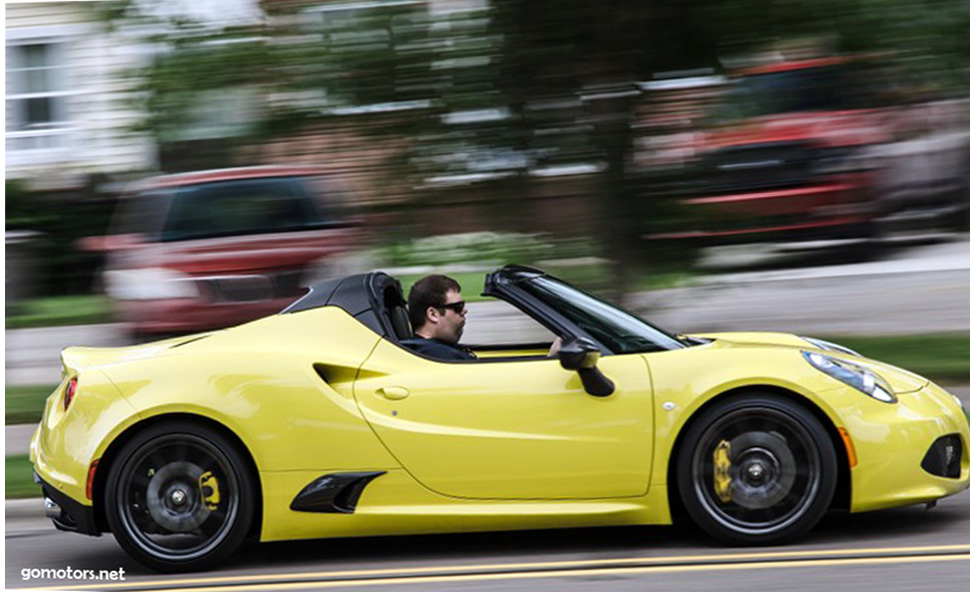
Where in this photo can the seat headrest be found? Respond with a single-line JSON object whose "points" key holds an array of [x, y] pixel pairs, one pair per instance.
{"points": [[401, 322], [395, 312]]}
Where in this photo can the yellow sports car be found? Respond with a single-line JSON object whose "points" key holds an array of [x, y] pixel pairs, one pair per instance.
{"points": [[316, 422]]}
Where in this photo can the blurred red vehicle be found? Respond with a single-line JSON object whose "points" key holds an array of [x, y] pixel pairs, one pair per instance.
{"points": [[788, 161], [806, 149], [210, 249]]}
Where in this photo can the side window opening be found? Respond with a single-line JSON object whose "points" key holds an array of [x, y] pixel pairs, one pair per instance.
{"points": [[496, 325], [243, 207]]}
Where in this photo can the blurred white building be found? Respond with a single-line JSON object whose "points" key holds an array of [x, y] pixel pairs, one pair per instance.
{"points": [[69, 112]]}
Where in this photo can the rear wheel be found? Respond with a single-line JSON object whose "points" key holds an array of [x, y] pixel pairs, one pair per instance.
{"points": [[757, 470], [179, 497]]}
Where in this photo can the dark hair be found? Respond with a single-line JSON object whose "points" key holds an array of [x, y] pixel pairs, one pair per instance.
{"points": [[431, 290]]}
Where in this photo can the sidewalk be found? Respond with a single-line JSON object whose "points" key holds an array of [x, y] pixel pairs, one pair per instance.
{"points": [[25, 516], [17, 438]]}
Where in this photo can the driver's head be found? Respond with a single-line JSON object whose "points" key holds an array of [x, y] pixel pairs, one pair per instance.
{"points": [[436, 309]]}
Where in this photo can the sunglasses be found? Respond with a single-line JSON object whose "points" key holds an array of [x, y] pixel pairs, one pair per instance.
{"points": [[458, 307]]}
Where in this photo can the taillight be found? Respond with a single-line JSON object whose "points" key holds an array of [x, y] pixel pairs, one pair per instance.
{"points": [[69, 393]]}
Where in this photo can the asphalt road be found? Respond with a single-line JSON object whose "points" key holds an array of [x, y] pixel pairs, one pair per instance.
{"points": [[903, 549], [900, 549]]}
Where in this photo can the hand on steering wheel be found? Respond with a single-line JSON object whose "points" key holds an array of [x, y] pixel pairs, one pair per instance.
{"points": [[554, 350]]}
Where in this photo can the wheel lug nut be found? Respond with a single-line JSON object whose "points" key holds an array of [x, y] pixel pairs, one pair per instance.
{"points": [[756, 471], [178, 497]]}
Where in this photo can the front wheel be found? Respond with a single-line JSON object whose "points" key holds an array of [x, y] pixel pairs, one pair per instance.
{"points": [[179, 497], [756, 470]]}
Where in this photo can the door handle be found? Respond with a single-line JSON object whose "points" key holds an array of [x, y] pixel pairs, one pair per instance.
{"points": [[394, 393]]}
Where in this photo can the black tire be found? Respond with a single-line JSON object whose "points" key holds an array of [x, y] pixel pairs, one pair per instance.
{"points": [[179, 497], [780, 478]]}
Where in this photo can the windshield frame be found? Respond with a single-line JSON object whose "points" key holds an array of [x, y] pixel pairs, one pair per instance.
{"points": [[537, 288]]}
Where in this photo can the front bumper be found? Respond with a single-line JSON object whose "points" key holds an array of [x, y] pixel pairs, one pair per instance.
{"points": [[827, 208], [892, 443], [66, 513]]}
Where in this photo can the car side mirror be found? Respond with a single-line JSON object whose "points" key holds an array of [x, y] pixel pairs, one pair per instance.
{"points": [[581, 355]]}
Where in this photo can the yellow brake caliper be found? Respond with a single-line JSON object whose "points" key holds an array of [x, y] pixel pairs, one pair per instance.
{"points": [[722, 471], [209, 486]]}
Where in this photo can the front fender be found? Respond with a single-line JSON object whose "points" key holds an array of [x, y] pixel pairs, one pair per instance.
{"points": [[687, 380]]}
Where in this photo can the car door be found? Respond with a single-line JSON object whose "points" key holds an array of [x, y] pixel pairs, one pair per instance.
{"points": [[511, 428]]}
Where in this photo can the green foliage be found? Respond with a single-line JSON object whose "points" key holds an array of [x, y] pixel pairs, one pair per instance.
{"points": [[59, 221], [21, 214], [60, 310], [939, 357], [474, 248], [19, 478], [25, 404]]}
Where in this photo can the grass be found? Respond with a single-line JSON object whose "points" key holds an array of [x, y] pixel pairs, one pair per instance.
{"points": [[20, 478], [58, 311], [24, 404], [943, 358], [663, 280], [593, 278]]}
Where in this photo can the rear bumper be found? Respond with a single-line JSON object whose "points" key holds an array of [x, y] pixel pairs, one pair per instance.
{"points": [[838, 228], [67, 514]]}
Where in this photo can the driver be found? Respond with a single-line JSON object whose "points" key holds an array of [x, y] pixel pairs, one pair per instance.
{"points": [[437, 313]]}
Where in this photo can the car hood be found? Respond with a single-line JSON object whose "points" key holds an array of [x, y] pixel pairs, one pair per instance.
{"points": [[902, 381]]}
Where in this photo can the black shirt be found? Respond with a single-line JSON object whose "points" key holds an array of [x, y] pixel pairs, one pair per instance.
{"points": [[437, 349]]}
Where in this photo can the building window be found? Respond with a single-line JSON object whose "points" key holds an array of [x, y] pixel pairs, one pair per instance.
{"points": [[36, 98]]}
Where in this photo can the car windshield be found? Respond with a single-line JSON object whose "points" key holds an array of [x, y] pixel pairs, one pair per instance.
{"points": [[143, 213], [821, 88], [615, 328], [242, 207]]}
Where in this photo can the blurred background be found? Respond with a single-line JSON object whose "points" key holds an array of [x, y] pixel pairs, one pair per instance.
{"points": [[628, 146], [175, 166]]}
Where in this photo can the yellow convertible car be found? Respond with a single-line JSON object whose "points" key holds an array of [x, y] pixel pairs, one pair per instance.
{"points": [[316, 422]]}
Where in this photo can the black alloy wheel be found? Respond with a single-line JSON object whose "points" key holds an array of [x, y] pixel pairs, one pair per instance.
{"points": [[179, 497], [757, 470]]}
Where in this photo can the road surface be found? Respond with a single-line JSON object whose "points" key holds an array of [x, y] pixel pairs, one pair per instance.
{"points": [[903, 549]]}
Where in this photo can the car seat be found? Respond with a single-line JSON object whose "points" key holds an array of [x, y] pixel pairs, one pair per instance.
{"points": [[394, 311]]}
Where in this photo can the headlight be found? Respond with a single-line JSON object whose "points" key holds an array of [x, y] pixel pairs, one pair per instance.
{"points": [[853, 375], [149, 284], [829, 346]]}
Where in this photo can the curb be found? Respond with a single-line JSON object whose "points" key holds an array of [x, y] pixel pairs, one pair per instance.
{"points": [[21, 509]]}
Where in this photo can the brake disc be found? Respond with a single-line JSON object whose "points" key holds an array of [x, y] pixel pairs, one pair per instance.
{"points": [[763, 469], [174, 498]]}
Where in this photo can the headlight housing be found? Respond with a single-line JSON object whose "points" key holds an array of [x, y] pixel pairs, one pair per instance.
{"points": [[854, 375], [829, 346]]}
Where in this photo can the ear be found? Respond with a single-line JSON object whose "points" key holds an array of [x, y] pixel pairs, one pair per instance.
{"points": [[432, 315]]}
